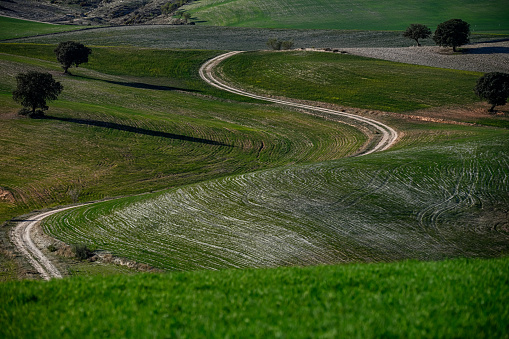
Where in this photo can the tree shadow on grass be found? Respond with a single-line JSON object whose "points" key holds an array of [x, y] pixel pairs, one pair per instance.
{"points": [[142, 85], [487, 50], [138, 130]]}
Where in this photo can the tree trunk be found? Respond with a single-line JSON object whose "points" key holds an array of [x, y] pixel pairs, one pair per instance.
{"points": [[418, 44], [492, 109]]}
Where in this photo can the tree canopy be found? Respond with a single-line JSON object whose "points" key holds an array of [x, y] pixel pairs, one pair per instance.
{"points": [[416, 32], [452, 33], [494, 88], [72, 53], [34, 89]]}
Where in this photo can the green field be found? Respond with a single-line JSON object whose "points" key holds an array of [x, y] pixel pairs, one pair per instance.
{"points": [[11, 28], [212, 181], [485, 15], [440, 198], [458, 298], [350, 80], [132, 131]]}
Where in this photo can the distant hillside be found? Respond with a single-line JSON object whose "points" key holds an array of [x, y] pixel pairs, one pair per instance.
{"points": [[92, 12], [483, 15]]}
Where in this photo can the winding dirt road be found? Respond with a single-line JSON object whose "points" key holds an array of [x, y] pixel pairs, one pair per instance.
{"points": [[20, 234], [387, 135]]}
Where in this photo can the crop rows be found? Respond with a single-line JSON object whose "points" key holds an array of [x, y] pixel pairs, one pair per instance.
{"points": [[380, 208]]}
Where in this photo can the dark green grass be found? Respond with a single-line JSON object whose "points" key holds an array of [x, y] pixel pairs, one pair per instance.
{"points": [[351, 80], [484, 15], [14, 28], [458, 298]]}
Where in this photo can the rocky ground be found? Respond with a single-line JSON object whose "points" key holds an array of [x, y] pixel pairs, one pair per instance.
{"points": [[480, 57], [88, 12]]}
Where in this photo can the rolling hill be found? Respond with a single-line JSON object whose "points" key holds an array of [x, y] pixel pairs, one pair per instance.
{"points": [[485, 15]]}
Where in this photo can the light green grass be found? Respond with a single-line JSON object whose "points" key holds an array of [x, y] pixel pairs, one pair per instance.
{"points": [[11, 28], [458, 298], [351, 80], [485, 15]]}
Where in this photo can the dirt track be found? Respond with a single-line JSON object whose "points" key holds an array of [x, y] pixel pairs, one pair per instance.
{"points": [[20, 236], [387, 135]]}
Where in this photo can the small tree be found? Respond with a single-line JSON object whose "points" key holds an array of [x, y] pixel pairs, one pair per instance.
{"points": [[288, 44], [32, 91], [493, 87], [186, 16], [452, 33], [72, 53], [168, 8], [275, 44], [416, 32]]}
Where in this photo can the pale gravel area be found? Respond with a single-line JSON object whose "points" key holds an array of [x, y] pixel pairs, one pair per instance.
{"points": [[481, 57]]}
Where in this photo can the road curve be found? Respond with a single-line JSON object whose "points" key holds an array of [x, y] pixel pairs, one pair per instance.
{"points": [[387, 137], [20, 234]]}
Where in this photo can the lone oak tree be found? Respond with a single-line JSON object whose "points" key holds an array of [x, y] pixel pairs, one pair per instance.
{"points": [[33, 89], [416, 32], [72, 53], [452, 33], [494, 88]]}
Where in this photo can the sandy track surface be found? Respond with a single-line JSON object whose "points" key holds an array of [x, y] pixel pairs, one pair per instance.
{"points": [[20, 236], [387, 135]]}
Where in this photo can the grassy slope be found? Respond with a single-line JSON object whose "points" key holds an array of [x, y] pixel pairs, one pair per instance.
{"points": [[459, 298], [132, 132], [486, 15], [440, 199], [350, 80], [15, 28]]}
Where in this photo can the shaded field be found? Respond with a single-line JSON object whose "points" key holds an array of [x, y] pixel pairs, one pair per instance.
{"points": [[111, 135], [233, 38], [350, 80], [433, 200], [485, 15], [11, 28], [456, 298]]}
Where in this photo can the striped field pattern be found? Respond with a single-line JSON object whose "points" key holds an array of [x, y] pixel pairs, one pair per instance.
{"points": [[423, 203]]}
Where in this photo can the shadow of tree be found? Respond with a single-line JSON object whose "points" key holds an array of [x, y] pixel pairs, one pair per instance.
{"points": [[141, 85], [137, 130], [488, 50]]}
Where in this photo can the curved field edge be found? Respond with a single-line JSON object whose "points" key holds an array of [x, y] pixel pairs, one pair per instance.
{"points": [[435, 201], [452, 298]]}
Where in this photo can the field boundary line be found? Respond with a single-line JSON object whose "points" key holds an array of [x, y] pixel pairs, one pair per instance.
{"points": [[388, 134]]}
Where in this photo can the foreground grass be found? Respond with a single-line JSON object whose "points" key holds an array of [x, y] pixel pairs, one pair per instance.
{"points": [[458, 298], [11, 28], [351, 80]]}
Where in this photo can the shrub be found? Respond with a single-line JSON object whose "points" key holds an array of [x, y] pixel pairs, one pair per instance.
{"points": [[81, 251]]}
